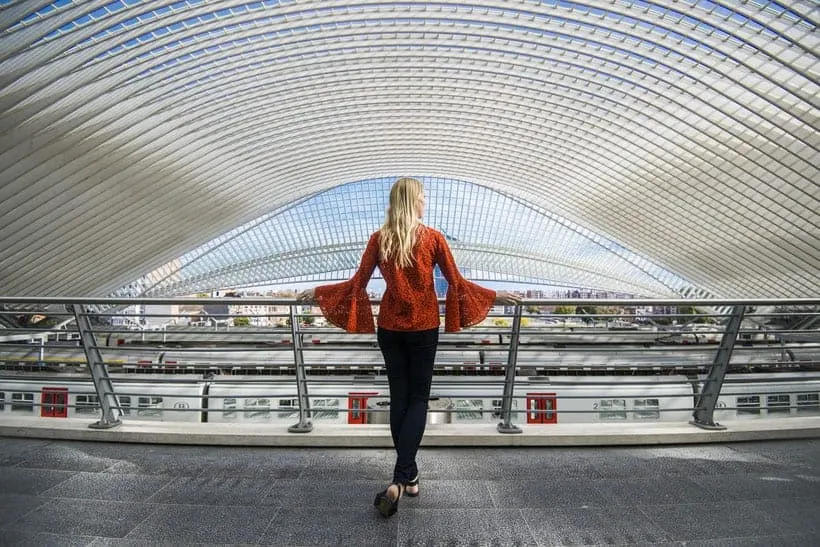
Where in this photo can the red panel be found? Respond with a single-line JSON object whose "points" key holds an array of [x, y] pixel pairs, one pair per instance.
{"points": [[54, 402], [357, 405], [542, 408]]}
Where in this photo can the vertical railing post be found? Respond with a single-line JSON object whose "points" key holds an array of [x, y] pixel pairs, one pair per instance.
{"points": [[99, 371], [505, 426], [707, 399], [304, 425]]}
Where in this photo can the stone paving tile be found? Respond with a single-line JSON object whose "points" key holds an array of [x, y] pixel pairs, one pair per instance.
{"points": [[82, 518], [14, 451], [13, 506], [70, 493], [535, 494], [787, 540], [326, 493], [497, 463], [685, 460], [220, 524], [236, 491], [118, 542], [792, 515], [319, 525], [654, 490], [65, 457], [794, 453], [270, 465], [104, 486], [593, 525], [456, 527], [452, 494], [730, 519], [755, 486], [14, 480], [15, 538]]}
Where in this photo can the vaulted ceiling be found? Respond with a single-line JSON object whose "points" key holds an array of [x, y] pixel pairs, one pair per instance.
{"points": [[134, 132]]}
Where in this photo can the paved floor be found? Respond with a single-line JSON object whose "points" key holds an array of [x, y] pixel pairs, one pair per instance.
{"points": [[88, 493]]}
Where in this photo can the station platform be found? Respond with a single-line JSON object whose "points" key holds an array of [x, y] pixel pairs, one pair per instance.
{"points": [[64, 492]]}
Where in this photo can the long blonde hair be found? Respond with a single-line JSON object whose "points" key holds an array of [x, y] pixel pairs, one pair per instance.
{"points": [[397, 235]]}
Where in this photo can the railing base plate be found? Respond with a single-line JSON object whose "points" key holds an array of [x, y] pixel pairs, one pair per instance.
{"points": [[105, 425], [508, 428], [301, 428], [709, 427]]}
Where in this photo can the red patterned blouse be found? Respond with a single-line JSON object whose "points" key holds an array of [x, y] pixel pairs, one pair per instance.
{"points": [[409, 303]]}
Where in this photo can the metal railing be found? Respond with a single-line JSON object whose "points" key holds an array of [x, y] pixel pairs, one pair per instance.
{"points": [[624, 359]]}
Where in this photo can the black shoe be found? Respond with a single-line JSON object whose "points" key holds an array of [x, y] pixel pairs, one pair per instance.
{"points": [[414, 482], [388, 507]]}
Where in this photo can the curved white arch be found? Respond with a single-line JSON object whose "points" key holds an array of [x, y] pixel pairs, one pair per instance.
{"points": [[688, 136]]}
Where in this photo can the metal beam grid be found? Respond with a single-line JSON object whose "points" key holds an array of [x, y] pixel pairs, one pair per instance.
{"points": [[326, 234], [687, 132]]}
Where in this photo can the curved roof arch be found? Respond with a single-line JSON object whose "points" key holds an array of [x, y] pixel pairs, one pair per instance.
{"points": [[687, 132], [322, 238]]}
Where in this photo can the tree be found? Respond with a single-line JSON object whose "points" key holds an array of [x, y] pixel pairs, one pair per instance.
{"points": [[241, 321], [532, 309], [692, 310], [564, 310], [585, 311], [501, 322]]}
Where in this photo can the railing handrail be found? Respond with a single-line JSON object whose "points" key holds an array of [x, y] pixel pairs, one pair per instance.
{"points": [[557, 355], [629, 302]]}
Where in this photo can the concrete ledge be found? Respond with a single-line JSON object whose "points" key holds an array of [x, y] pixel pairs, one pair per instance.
{"points": [[342, 435]]}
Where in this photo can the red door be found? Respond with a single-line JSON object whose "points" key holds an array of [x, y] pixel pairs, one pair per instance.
{"points": [[541, 408], [54, 402], [357, 406]]}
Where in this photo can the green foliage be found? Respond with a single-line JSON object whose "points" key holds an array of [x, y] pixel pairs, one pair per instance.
{"points": [[564, 310], [241, 321], [585, 311], [692, 310]]}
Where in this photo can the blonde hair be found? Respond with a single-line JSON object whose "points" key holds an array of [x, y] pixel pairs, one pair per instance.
{"points": [[398, 233]]}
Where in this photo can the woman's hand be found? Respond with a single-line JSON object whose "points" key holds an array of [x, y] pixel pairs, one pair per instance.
{"points": [[507, 298], [308, 295]]}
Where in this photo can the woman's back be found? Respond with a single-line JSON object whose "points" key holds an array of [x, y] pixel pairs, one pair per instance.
{"points": [[410, 301]]}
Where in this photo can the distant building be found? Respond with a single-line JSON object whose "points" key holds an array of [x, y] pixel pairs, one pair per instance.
{"points": [[261, 315], [440, 283], [147, 316]]}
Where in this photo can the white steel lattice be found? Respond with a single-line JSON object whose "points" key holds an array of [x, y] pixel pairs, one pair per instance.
{"points": [[133, 132]]}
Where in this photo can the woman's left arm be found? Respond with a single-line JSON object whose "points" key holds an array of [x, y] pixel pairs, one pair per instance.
{"points": [[346, 304]]}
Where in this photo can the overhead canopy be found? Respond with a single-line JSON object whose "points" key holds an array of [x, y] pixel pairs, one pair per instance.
{"points": [[135, 132]]}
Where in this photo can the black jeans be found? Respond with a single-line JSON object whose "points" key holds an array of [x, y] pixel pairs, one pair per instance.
{"points": [[408, 356]]}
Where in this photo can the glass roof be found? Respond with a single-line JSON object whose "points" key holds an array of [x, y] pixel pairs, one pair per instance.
{"points": [[493, 236]]}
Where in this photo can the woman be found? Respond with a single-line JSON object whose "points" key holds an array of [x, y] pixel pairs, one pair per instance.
{"points": [[406, 252]]}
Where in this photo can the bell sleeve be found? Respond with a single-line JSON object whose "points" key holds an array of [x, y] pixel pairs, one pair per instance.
{"points": [[467, 303], [346, 304]]}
